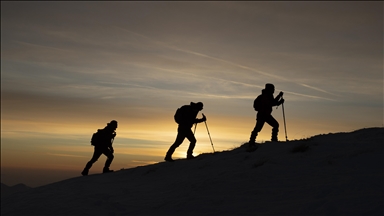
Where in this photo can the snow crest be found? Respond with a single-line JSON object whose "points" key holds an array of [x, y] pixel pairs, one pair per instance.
{"points": [[332, 174]]}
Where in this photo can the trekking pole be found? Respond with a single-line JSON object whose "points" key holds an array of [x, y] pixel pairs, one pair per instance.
{"points": [[209, 134], [195, 129], [285, 127]]}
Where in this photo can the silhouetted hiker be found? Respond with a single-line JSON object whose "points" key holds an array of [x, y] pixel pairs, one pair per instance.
{"points": [[185, 116], [263, 105], [102, 140]]}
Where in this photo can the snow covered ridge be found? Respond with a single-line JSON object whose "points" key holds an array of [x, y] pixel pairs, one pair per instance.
{"points": [[331, 174], [7, 190]]}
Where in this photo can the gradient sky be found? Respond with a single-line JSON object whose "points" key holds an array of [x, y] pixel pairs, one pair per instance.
{"points": [[68, 68]]}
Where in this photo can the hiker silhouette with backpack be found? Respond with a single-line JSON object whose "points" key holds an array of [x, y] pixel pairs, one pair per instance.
{"points": [[263, 105], [185, 117], [102, 140]]}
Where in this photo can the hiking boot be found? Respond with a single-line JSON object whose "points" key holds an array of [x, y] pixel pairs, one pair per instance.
{"points": [[85, 172], [107, 170], [251, 144], [190, 157], [274, 137], [169, 159]]}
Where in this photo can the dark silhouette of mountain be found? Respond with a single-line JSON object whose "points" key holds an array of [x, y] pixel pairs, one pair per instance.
{"points": [[328, 174]]}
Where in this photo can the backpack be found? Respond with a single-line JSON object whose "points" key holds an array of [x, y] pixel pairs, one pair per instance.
{"points": [[257, 103], [97, 138], [178, 116]]}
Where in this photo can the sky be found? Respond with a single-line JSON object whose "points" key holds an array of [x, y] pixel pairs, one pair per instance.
{"points": [[69, 68]]}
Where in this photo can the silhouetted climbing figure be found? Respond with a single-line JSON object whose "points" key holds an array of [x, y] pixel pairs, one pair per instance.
{"points": [[263, 105], [185, 116], [102, 140]]}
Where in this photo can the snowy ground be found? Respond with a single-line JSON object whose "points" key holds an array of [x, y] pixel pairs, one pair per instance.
{"points": [[7, 190], [332, 174]]}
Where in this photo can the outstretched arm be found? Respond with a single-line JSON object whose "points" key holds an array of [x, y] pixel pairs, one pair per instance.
{"points": [[112, 139], [279, 96], [280, 102], [201, 120], [277, 100]]}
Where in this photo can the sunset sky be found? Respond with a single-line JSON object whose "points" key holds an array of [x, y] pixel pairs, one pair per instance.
{"points": [[68, 68]]}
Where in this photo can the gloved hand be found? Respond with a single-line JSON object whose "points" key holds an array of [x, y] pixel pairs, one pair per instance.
{"points": [[281, 94], [204, 118], [281, 101]]}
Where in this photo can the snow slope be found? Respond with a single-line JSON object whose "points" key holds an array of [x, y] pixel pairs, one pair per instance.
{"points": [[7, 190], [332, 174]]}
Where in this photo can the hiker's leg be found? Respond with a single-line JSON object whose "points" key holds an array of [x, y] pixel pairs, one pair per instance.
{"points": [[259, 125], [96, 154], [110, 157], [191, 137], [275, 127], [179, 139]]}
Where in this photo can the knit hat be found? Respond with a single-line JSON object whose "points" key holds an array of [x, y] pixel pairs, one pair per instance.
{"points": [[113, 123], [269, 86]]}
